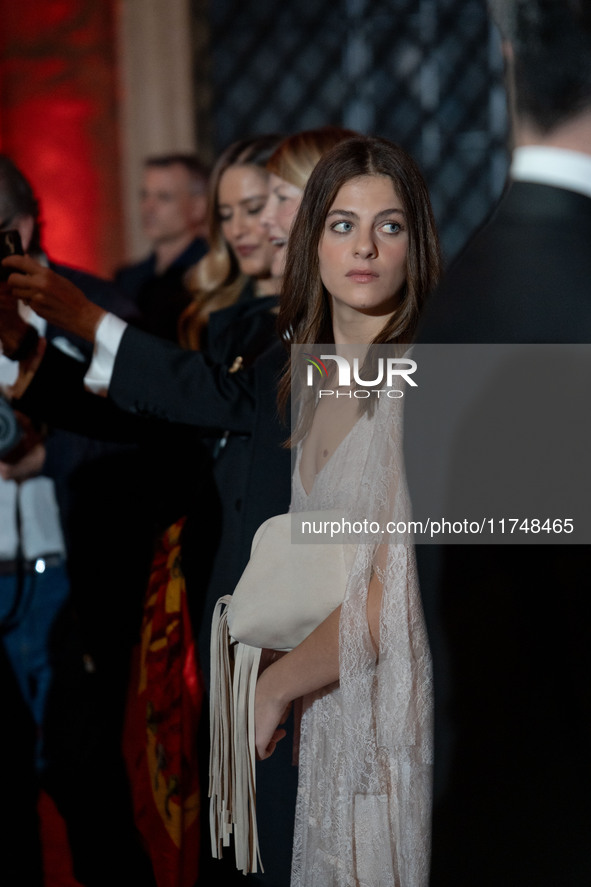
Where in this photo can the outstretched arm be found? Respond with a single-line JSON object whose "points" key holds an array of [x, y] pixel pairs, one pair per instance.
{"points": [[150, 376], [53, 297]]}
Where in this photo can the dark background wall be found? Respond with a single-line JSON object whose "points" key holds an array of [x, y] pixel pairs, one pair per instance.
{"points": [[58, 121], [425, 73]]}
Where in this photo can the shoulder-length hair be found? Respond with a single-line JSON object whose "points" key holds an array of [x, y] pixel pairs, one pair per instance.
{"points": [[305, 310], [216, 280], [297, 155]]}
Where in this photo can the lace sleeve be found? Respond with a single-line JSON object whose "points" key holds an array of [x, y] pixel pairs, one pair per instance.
{"points": [[364, 801], [386, 699]]}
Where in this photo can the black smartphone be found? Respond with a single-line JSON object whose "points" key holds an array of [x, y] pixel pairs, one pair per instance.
{"points": [[10, 245]]}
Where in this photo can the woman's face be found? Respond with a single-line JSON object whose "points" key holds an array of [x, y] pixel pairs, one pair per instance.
{"points": [[279, 212], [242, 194], [363, 251]]}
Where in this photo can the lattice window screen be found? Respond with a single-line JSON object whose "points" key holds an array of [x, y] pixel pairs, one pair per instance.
{"points": [[425, 73]]}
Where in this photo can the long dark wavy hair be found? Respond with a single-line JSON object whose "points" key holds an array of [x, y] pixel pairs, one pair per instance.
{"points": [[305, 311]]}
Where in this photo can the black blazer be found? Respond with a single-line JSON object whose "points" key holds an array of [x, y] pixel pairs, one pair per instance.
{"points": [[182, 403], [191, 399], [523, 278], [105, 523], [251, 471], [69, 452], [160, 298], [509, 625]]}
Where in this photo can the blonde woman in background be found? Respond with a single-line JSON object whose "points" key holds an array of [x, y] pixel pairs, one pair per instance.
{"points": [[237, 266], [289, 169]]}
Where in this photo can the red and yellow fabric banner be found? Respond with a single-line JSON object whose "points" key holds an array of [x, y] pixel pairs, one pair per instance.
{"points": [[160, 737]]}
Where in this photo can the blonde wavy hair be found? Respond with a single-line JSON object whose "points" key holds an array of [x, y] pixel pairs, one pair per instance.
{"points": [[216, 281], [297, 155]]}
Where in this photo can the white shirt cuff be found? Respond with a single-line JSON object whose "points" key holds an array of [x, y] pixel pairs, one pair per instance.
{"points": [[106, 343]]}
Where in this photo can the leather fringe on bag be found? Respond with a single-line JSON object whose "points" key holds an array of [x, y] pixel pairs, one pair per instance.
{"points": [[232, 780], [285, 591]]}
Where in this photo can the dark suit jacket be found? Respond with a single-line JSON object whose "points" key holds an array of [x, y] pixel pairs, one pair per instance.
{"points": [[159, 388], [160, 298], [83, 716], [160, 392], [251, 469], [252, 480], [99, 496], [523, 278], [68, 451], [509, 625]]}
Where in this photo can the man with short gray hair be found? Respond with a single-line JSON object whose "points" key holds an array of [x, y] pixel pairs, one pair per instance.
{"points": [[173, 206]]}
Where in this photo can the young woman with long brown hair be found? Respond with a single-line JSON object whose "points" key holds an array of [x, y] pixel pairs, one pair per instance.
{"points": [[362, 256]]}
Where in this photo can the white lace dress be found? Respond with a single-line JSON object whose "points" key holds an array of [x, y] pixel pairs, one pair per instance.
{"points": [[363, 807]]}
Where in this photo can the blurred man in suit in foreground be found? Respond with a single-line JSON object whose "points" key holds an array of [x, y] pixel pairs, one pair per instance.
{"points": [[509, 625]]}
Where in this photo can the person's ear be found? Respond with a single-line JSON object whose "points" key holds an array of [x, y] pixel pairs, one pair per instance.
{"points": [[199, 212]]}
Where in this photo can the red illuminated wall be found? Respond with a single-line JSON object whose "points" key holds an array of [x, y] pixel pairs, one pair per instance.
{"points": [[58, 122]]}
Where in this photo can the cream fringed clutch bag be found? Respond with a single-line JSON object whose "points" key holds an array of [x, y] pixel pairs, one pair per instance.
{"points": [[285, 591]]}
